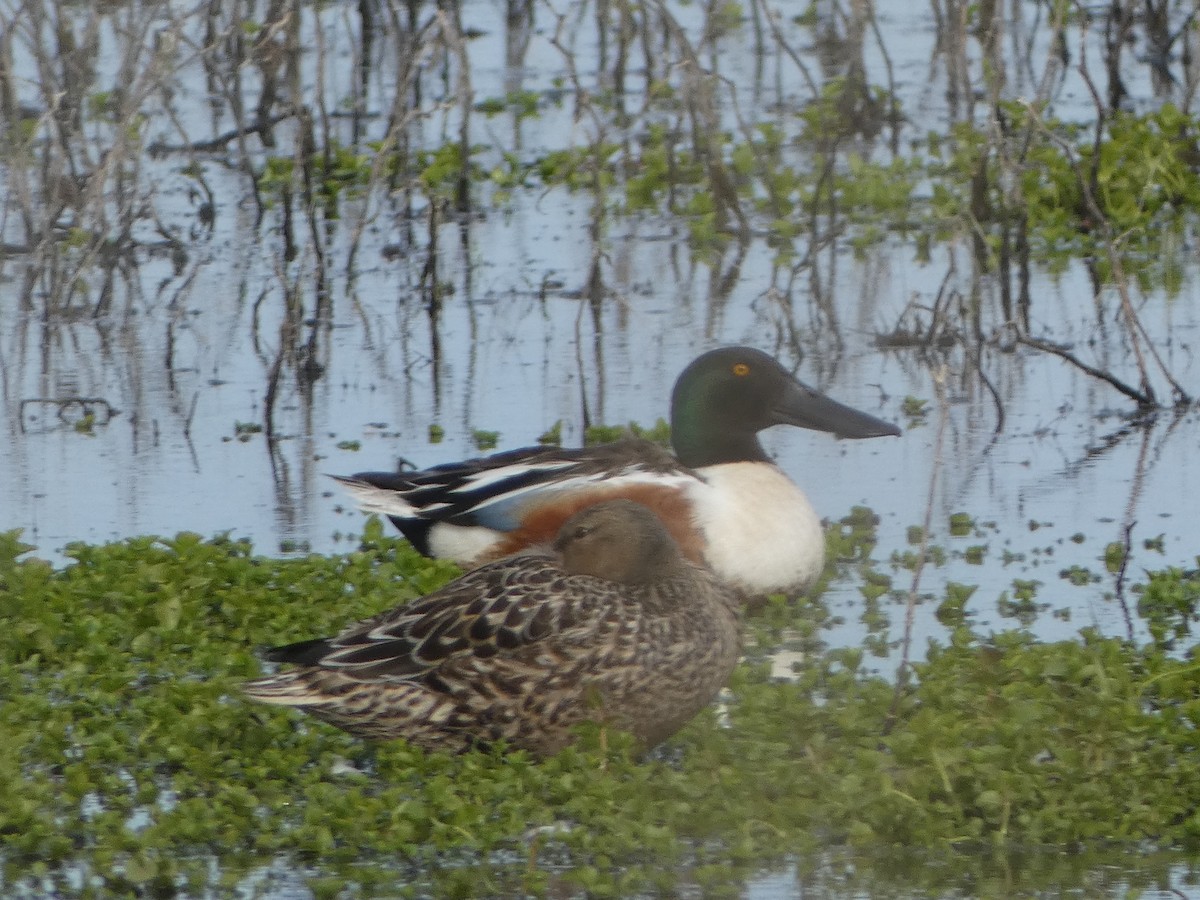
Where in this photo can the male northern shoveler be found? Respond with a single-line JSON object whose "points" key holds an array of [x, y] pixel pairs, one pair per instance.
{"points": [[721, 497], [613, 626]]}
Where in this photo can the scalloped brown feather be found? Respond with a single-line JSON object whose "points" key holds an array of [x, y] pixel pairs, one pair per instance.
{"points": [[522, 650]]}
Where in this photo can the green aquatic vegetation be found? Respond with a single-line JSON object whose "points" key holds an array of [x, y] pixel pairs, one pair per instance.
{"points": [[579, 168], [847, 106], [659, 432], [758, 171], [552, 436], [1065, 189], [663, 168], [953, 609], [1114, 556], [915, 410], [1079, 576], [1021, 605], [876, 621], [1129, 184], [522, 103], [854, 536], [1169, 603], [507, 176], [336, 171], [443, 171], [130, 761], [874, 193], [485, 440], [935, 554], [961, 524], [1143, 172], [975, 554]]}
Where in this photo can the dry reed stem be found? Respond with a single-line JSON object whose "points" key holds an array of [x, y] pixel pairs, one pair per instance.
{"points": [[939, 375]]}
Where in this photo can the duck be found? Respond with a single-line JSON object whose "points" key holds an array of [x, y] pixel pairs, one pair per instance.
{"points": [[725, 502], [608, 624]]}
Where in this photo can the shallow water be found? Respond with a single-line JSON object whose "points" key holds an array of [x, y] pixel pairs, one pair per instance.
{"points": [[180, 364]]}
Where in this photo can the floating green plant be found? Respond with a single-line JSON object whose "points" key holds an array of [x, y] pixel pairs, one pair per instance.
{"points": [[961, 524], [243, 431], [131, 761], [659, 432], [552, 436], [485, 440]]}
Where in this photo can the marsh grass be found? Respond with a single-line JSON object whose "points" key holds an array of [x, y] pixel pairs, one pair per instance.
{"points": [[132, 764]]}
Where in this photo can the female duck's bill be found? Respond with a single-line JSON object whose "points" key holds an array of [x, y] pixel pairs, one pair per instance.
{"points": [[611, 625], [722, 498]]}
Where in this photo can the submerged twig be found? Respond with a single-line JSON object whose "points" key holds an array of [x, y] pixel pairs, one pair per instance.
{"points": [[1139, 397], [910, 607], [1126, 549]]}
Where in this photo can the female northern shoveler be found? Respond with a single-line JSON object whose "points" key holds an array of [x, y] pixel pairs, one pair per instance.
{"points": [[721, 497], [614, 626]]}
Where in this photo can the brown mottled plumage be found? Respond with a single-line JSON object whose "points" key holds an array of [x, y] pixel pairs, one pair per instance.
{"points": [[613, 626]]}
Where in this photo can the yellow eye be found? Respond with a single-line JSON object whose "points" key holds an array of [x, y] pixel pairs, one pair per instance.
{"points": [[741, 370]]}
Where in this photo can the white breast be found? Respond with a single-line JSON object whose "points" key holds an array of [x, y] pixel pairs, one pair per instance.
{"points": [[763, 535]]}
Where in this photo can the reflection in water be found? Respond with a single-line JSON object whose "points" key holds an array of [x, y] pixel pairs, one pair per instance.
{"points": [[977, 872], [237, 255]]}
